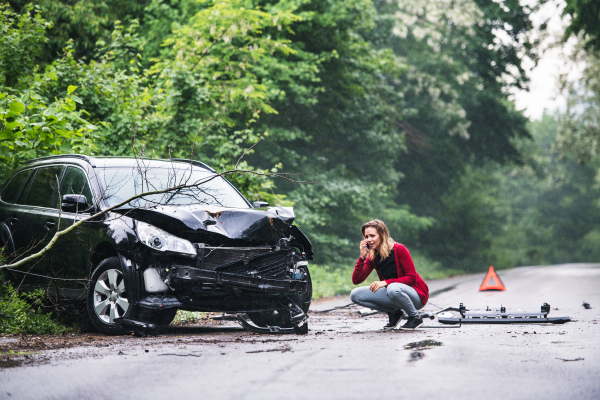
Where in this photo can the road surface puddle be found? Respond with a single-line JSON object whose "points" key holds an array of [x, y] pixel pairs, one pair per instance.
{"points": [[418, 348]]}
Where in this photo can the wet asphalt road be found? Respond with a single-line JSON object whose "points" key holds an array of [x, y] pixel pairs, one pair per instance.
{"points": [[345, 356]]}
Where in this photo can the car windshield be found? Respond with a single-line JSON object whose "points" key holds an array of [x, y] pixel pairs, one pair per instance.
{"points": [[122, 183]]}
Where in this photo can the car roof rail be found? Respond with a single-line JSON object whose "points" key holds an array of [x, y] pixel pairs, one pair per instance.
{"points": [[79, 156], [196, 163], [90, 160]]}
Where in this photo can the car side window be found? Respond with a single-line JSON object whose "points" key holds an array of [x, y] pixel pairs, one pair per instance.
{"points": [[25, 191], [75, 182], [43, 191], [13, 190]]}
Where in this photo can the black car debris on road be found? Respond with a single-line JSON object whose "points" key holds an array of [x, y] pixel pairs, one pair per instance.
{"points": [[201, 248]]}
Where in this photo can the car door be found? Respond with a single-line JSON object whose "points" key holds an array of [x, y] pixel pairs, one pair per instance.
{"points": [[70, 255], [40, 213], [14, 230]]}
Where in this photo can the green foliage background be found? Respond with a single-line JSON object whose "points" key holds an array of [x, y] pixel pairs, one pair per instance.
{"points": [[396, 110]]}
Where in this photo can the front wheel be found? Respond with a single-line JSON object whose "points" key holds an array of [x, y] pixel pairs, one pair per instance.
{"points": [[107, 297]]}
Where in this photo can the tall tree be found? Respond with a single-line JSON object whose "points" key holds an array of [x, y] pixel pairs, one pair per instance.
{"points": [[585, 20], [33, 124]]}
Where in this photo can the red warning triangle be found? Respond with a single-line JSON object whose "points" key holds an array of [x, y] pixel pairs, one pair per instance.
{"points": [[491, 281]]}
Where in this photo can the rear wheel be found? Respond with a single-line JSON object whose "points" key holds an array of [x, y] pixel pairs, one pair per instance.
{"points": [[107, 297], [276, 317]]}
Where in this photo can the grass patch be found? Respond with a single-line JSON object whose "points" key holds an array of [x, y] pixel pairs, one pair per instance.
{"points": [[19, 353], [184, 317], [329, 281]]}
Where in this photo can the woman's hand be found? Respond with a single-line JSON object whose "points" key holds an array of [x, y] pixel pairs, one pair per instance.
{"points": [[375, 286], [363, 249]]}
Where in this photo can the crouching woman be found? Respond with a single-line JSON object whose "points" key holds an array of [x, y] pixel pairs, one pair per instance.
{"points": [[400, 289]]}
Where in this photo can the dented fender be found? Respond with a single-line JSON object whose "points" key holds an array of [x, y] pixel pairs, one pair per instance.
{"points": [[255, 225]]}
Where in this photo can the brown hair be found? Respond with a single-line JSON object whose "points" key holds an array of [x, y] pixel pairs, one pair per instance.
{"points": [[387, 243]]}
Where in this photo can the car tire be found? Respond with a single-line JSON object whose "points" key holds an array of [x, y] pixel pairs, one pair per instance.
{"points": [[107, 297], [275, 317], [306, 297], [267, 318]]}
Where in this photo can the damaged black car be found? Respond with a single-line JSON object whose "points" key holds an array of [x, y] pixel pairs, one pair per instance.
{"points": [[202, 247]]}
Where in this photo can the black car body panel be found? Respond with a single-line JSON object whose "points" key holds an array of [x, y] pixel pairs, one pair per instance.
{"points": [[261, 226], [244, 259]]}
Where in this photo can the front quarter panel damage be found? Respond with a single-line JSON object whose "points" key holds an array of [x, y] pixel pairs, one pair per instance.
{"points": [[249, 283], [264, 226]]}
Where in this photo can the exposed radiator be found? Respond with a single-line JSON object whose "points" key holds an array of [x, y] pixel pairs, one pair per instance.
{"points": [[272, 265], [217, 256]]}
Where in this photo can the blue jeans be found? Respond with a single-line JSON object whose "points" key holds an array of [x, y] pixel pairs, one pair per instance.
{"points": [[391, 298]]}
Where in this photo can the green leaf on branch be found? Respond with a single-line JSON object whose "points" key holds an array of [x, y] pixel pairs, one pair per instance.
{"points": [[16, 107], [6, 134]]}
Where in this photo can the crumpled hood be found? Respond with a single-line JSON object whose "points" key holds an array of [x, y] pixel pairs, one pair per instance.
{"points": [[264, 224]]}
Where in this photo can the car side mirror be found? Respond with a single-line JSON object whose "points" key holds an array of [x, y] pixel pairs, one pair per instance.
{"points": [[258, 204], [74, 203]]}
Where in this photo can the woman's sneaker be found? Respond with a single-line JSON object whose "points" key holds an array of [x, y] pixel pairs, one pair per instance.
{"points": [[412, 323], [395, 318]]}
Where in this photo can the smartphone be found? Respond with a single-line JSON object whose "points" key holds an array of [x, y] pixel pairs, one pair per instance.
{"points": [[367, 244]]}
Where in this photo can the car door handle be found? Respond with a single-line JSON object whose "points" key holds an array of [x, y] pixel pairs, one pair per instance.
{"points": [[13, 220], [50, 224]]}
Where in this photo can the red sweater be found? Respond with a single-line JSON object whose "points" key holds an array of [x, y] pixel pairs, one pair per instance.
{"points": [[405, 267]]}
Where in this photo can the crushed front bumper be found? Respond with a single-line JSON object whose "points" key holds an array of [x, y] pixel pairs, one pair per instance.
{"points": [[185, 277]]}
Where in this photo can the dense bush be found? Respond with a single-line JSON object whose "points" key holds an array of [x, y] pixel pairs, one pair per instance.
{"points": [[23, 312]]}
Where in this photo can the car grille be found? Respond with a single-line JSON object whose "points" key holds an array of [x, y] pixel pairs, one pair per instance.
{"points": [[271, 264], [217, 256]]}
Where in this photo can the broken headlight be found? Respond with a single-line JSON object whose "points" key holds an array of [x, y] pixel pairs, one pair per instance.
{"points": [[160, 240]]}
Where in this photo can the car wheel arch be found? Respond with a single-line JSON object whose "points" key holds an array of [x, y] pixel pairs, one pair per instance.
{"points": [[6, 239], [102, 251]]}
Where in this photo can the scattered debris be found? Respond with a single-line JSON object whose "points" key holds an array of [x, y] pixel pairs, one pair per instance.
{"points": [[586, 305], [422, 345], [299, 321], [283, 349], [180, 355], [368, 311], [418, 348]]}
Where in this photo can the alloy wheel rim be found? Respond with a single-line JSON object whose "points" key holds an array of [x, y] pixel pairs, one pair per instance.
{"points": [[110, 300]]}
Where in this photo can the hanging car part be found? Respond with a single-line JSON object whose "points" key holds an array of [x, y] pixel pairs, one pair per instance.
{"points": [[293, 315], [137, 328], [300, 328]]}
